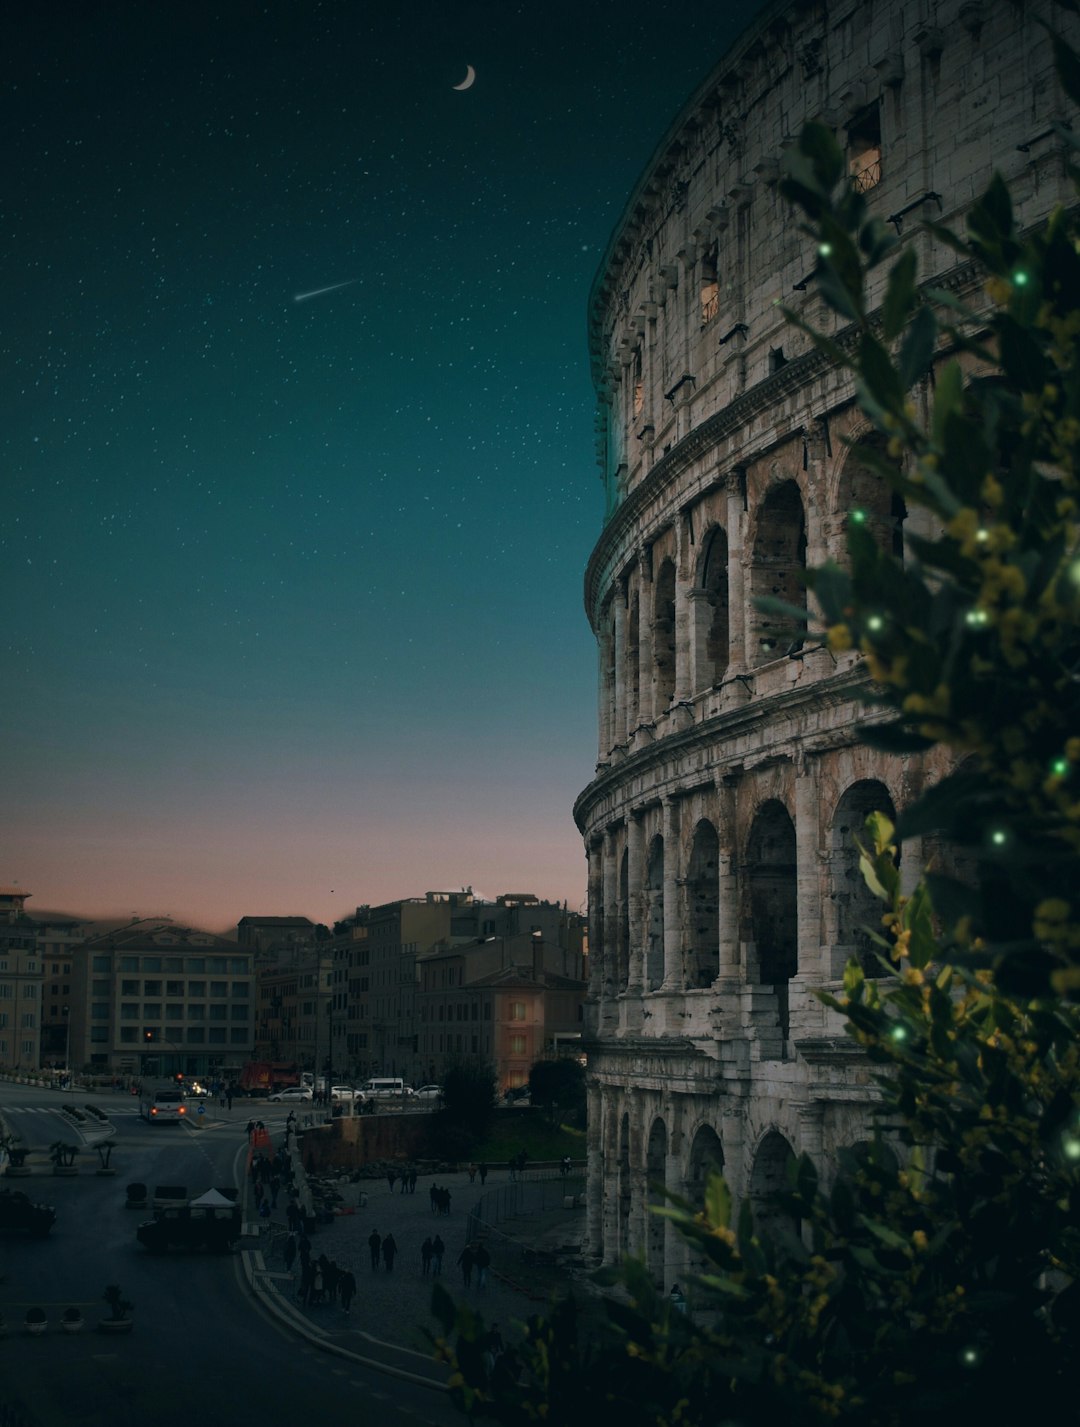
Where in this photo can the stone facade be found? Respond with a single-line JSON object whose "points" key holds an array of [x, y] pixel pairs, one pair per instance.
{"points": [[723, 880]]}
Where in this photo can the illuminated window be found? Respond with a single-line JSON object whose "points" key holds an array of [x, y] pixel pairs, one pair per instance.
{"points": [[517, 1010], [517, 1045], [710, 285], [864, 149]]}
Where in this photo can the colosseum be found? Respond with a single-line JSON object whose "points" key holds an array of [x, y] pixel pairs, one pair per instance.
{"points": [[723, 877]]}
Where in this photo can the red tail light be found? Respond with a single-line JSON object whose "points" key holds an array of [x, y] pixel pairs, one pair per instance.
{"points": [[153, 1109], [182, 1110]]}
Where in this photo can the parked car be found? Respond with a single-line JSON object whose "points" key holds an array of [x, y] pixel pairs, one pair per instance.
{"points": [[19, 1212], [429, 1092], [192, 1227], [343, 1093], [293, 1093]]}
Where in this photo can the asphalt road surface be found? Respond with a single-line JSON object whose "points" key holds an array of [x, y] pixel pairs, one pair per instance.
{"points": [[202, 1352]]}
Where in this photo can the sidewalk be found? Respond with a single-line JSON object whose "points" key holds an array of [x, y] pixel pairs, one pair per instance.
{"points": [[392, 1309]]}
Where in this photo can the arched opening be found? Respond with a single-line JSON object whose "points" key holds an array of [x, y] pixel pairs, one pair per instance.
{"points": [[779, 561], [866, 494], [857, 909], [664, 637], [771, 901], [768, 1178], [623, 979], [656, 1226], [703, 962], [714, 582], [654, 915], [625, 1189], [706, 1157]]}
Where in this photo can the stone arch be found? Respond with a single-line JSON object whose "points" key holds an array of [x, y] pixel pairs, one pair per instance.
{"points": [[664, 636], [767, 1178], [713, 632], [623, 977], [771, 902], [656, 1156], [779, 558], [706, 1157], [862, 488], [654, 915], [855, 905], [703, 960]]}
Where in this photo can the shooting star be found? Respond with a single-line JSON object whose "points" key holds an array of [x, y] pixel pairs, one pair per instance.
{"points": [[318, 292]]}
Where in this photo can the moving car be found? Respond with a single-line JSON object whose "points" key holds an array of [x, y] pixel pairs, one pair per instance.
{"points": [[429, 1092], [293, 1092]]}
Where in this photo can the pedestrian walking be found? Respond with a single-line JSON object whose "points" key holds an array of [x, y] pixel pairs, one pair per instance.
{"points": [[482, 1261], [228, 1097], [347, 1290], [389, 1251], [564, 1166], [391, 1178], [307, 1279], [412, 1180], [472, 1173], [481, 1169], [374, 1244], [303, 1247], [290, 1252], [433, 1195], [466, 1259], [438, 1248], [425, 1256]]}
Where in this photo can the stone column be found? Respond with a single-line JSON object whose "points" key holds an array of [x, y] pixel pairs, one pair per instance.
{"points": [[646, 711], [727, 900], [639, 1179], [811, 967], [596, 1175], [605, 725], [683, 581], [613, 971], [699, 619], [673, 919], [737, 615], [619, 732], [816, 445], [635, 848], [599, 962]]}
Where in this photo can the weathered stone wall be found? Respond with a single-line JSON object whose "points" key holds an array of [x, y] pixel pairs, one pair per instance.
{"points": [[723, 883]]}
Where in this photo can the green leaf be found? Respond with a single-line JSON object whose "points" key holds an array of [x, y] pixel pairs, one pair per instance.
{"points": [[718, 1201], [917, 351], [899, 295], [948, 396]]}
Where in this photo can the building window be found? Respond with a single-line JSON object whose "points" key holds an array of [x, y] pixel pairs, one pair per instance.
{"points": [[238, 1013], [517, 1045], [152, 1008], [99, 988], [240, 990], [238, 1036], [517, 1010], [151, 988], [196, 988], [99, 1011], [174, 1011], [195, 1035], [129, 1010], [151, 963], [219, 1013], [195, 963], [129, 1035], [196, 1012], [30, 993], [28, 1021], [5, 990], [102, 963], [238, 965], [217, 1035], [129, 988], [864, 149], [219, 988], [174, 988], [3, 1019]]}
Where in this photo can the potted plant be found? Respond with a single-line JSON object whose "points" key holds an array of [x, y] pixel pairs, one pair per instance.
{"points": [[120, 1310], [72, 1320], [63, 1157], [36, 1321], [136, 1196], [104, 1154], [16, 1154]]}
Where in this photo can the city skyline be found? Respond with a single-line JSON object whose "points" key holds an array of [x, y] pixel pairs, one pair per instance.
{"points": [[301, 451]]}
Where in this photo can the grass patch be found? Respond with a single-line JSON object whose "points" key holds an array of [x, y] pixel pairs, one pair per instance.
{"points": [[530, 1130]]}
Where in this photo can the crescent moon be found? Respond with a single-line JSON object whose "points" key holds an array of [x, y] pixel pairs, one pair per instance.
{"points": [[467, 82]]}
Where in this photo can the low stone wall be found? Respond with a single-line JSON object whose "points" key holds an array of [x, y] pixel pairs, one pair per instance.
{"points": [[350, 1142]]}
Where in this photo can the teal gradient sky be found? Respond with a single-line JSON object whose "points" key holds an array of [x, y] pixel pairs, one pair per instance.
{"points": [[292, 589]]}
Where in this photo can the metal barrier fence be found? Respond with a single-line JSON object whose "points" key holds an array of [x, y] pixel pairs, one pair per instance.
{"points": [[528, 1206]]}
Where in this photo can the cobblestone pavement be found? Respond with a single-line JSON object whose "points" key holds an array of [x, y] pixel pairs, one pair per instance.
{"points": [[394, 1307]]}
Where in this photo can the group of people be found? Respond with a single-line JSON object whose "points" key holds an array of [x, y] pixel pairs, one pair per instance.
{"points": [[408, 1177], [440, 1199], [480, 1169], [474, 1256], [384, 1248], [324, 1281]]}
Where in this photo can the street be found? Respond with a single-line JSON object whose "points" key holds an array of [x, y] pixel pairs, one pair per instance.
{"points": [[201, 1348]]}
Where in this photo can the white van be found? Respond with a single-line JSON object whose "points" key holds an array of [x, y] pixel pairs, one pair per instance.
{"points": [[385, 1087]]}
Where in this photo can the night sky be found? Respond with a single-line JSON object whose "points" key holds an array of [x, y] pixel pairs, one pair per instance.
{"points": [[292, 610]]}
